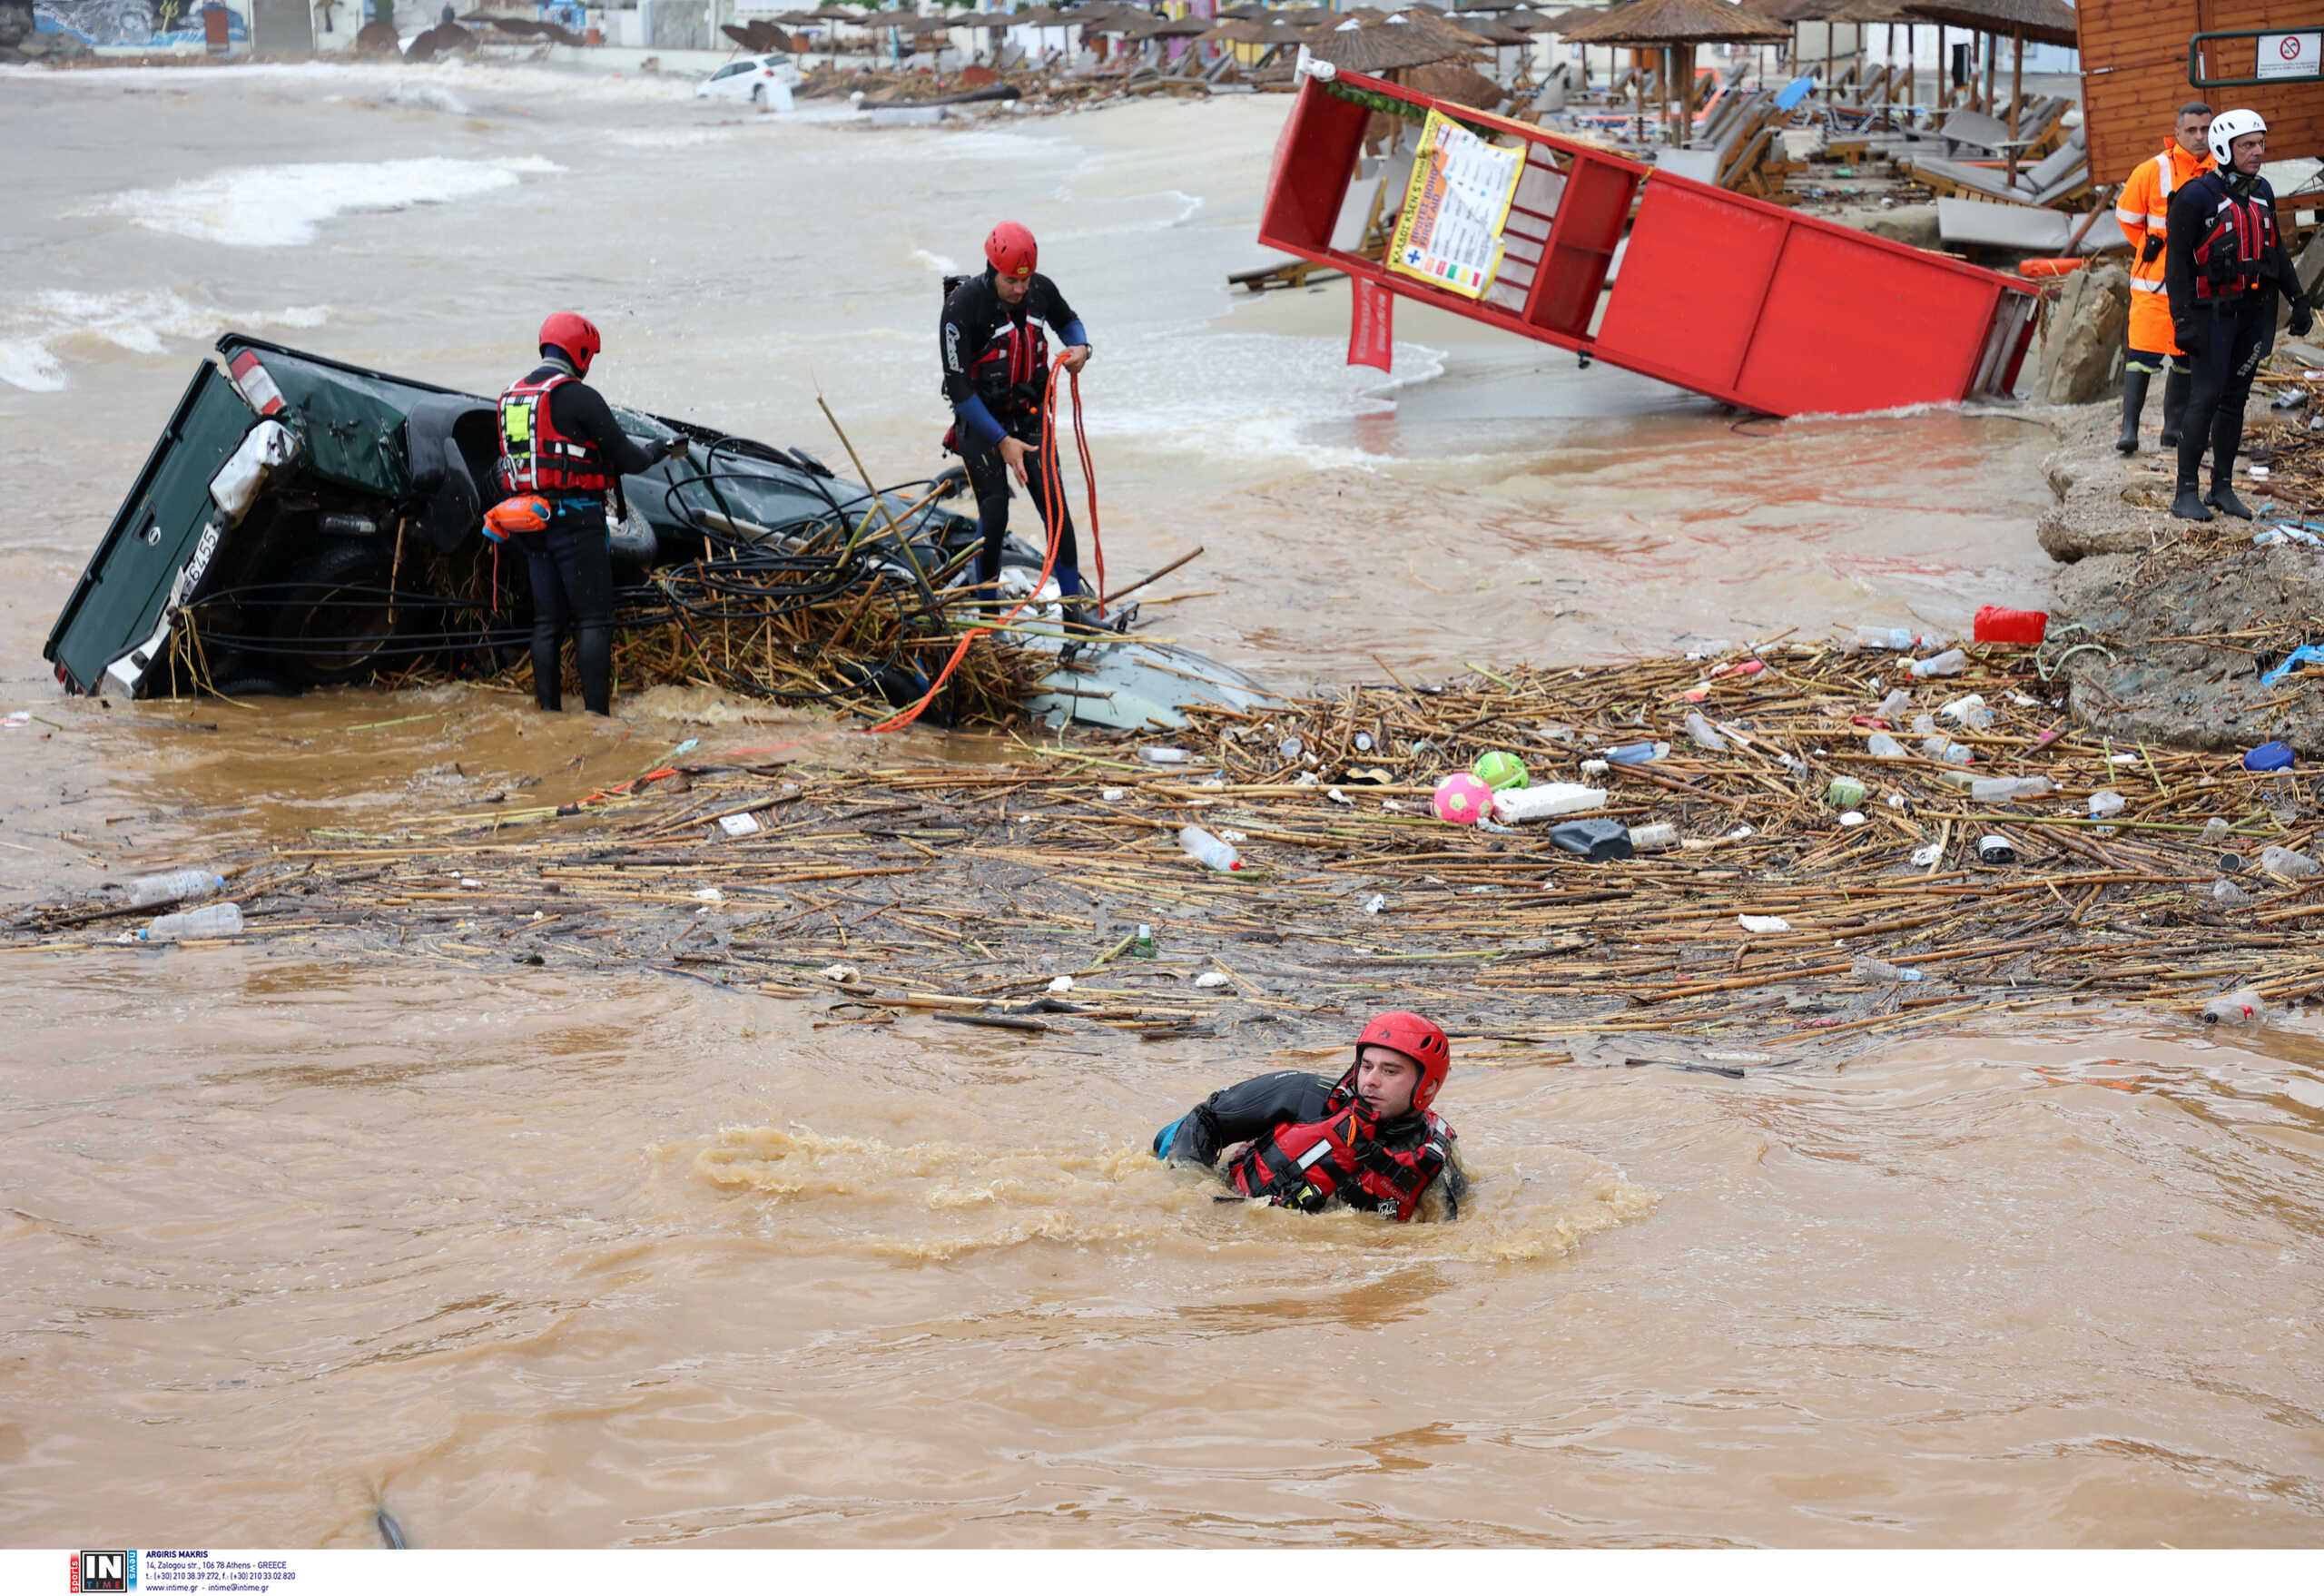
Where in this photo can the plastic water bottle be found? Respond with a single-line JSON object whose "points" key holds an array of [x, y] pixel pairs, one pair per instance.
{"points": [[1700, 731], [1896, 639], [174, 887], [2288, 863], [1165, 755], [1869, 969], [1892, 707], [1971, 710], [2007, 789], [1207, 849], [1658, 838], [211, 920], [1946, 751], [2228, 896], [1951, 663], [1881, 745], [1638, 752], [2105, 804], [2243, 1007]]}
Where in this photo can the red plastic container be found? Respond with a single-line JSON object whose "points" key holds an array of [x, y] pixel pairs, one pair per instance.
{"points": [[1996, 624]]}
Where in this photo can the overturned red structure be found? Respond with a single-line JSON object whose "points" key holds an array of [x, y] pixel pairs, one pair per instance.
{"points": [[1718, 293]]}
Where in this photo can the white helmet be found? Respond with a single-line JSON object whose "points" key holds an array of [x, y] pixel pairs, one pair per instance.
{"points": [[2228, 126]]}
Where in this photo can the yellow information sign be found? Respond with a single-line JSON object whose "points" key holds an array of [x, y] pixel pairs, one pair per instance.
{"points": [[1448, 232]]}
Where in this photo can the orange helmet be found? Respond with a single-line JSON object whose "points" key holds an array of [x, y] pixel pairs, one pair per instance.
{"points": [[1010, 251], [575, 335], [1418, 1038]]}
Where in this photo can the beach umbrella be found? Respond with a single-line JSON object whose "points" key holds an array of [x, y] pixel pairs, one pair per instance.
{"points": [[1389, 44], [1675, 27]]}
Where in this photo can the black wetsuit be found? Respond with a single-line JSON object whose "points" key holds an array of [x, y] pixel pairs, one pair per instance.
{"points": [[571, 564], [2224, 338], [1254, 1109], [986, 405]]}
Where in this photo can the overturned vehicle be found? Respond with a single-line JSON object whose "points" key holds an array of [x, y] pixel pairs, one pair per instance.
{"points": [[302, 522]]}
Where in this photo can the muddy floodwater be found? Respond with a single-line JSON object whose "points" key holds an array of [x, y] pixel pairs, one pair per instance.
{"points": [[547, 1257]]}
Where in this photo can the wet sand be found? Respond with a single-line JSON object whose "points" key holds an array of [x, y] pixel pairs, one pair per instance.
{"points": [[621, 1259]]}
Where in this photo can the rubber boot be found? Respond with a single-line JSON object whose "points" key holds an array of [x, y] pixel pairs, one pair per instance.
{"points": [[2133, 401], [2176, 385], [2221, 497], [2189, 506]]}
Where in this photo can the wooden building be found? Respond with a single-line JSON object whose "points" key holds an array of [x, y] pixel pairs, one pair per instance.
{"points": [[2134, 76]]}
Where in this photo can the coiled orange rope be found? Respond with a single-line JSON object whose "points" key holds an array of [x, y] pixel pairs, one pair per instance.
{"points": [[1053, 485]]}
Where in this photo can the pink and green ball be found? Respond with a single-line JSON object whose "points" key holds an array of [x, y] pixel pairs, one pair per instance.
{"points": [[1462, 800]]}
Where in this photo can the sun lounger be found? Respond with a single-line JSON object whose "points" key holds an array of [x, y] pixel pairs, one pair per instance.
{"points": [[1985, 224], [2057, 180]]}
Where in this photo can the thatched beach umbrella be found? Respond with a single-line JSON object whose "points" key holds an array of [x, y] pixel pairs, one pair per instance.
{"points": [[1675, 27], [1387, 45]]}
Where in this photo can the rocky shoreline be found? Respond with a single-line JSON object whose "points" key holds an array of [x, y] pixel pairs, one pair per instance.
{"points": [[2163, 627]]}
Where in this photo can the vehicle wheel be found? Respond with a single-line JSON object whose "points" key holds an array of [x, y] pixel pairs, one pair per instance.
{"points": [[758, 95], [334, 626]]}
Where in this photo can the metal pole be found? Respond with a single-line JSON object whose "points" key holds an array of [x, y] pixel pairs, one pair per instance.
{"points": [[2016, 96]]}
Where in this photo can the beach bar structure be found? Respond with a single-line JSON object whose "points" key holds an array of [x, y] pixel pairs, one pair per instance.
{"points": [[1730, 296]]}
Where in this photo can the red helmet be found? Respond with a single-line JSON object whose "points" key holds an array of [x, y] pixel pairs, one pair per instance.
{"points": [[1010, 251], [1422, 1040], [575, 335]]}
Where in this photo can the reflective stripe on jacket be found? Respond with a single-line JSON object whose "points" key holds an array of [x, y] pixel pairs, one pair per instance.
{"points": [[534, 457], [2144, 209]]}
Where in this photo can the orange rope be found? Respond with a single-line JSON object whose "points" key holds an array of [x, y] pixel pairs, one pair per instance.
{"points": [[1053, 483]]}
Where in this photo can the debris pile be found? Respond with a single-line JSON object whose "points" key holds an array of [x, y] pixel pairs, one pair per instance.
{"points": [[2184, 622], [1835, 878]]}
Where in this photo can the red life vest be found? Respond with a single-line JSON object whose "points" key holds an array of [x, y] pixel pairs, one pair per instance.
{"points": [[2231, 257], [534, 457], [1344, 1156], [1011, 373]]}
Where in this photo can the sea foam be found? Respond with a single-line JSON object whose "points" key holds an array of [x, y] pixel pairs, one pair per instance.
{"points": [[276, 207]]}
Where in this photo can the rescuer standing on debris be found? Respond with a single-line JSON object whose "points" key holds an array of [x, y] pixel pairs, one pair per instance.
{"points": [[996, 375], [1367, 1140], [2225, 264], [2144, 212], [560, 443]]}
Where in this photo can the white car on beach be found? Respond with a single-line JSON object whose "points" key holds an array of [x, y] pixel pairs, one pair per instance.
{"points": [[766, 81]]}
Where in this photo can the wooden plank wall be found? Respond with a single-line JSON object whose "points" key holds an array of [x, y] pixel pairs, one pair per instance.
{"points": [[2134, 76]]}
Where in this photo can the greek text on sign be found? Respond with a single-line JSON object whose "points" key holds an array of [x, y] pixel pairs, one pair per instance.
{"points": [[2292, 55], [1448, 232]]}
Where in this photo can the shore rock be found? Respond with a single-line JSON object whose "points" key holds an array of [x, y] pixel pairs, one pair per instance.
{"points": [[2080, 355]]}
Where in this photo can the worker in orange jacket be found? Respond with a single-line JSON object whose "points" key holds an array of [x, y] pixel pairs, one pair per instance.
{"points": [[2142, 211]]}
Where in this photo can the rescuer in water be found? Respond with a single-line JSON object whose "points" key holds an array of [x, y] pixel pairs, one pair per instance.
{"points": [[2143, 212], [995, 375], [560, 443], [2226, 263], [1367, 1140]]}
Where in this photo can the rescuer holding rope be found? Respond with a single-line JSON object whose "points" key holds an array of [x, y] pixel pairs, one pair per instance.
{"points": [[995, 375], [2226, 263], [1367, 1140], [560, 444], [2144, 212]]}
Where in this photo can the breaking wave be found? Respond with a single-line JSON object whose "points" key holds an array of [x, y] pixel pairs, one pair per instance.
{"points": [[37, 336], [275, 207]]}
